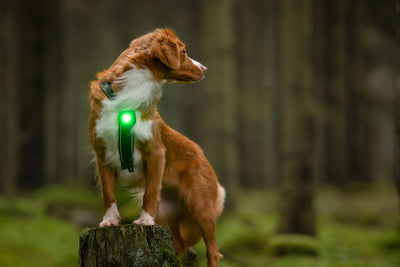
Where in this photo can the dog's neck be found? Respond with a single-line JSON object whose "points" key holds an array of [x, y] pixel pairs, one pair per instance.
{"points": [[137, 90]]}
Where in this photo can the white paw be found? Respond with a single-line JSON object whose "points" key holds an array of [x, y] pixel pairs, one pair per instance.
{"points": [[144, 219], [106, 223], [111, 217]]}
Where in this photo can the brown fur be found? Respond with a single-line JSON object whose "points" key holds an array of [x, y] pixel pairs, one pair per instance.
{"points": [[176, 169]]}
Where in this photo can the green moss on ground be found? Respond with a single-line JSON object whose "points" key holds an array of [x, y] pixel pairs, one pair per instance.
{"points": [[30, 237], [291, 244]]}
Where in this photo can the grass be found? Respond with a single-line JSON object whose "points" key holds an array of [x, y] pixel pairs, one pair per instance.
{"points": [[30, 238], [354, 230]]}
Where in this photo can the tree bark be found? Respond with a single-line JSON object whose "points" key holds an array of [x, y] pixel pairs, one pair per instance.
{"points": [[127, 245]]}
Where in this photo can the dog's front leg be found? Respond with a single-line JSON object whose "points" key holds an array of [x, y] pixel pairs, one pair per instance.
{"points": [[155, 164], [107, 182]]}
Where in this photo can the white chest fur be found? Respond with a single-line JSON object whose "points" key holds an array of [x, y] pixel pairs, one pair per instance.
{"points": [[139, 90]]}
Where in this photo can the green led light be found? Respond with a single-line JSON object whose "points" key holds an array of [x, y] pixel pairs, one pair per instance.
{"points": [[126, 118]]}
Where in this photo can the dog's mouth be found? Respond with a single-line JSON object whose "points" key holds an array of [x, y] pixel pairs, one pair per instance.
{"points": [[186, 76]]}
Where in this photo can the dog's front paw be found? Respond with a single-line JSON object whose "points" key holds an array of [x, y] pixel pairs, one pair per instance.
{"points": [[106, 223], [111, 217], [144, 219]]}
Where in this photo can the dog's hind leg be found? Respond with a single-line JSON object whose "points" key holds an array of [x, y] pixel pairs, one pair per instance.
{"points": [[206, 218]]}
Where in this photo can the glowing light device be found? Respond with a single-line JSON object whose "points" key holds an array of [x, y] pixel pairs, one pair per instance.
{"points": [[126, 121], [126, 138]]}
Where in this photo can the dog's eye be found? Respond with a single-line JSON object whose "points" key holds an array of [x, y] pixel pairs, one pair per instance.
{"points": [[184, 52]]}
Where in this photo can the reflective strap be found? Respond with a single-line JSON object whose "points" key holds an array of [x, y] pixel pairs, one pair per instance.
{"points": [[126, 140]]}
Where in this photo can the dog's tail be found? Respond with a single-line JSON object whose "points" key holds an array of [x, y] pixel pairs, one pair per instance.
{"points": [[220, 199]]}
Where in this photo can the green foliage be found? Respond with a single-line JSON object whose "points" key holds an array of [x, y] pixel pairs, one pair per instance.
{"points": [[29, 236], [72, 196], [282, 245], [247, 237]]}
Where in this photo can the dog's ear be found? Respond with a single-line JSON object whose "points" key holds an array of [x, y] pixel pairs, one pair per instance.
{"points": [[166, 50]]}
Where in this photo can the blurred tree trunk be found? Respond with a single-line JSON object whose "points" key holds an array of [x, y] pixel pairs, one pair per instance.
{"points": [[319, 58], [397, 136], [86, 27], [53, 69], [75, 23], [249, 33], [345, 136], [10, 58], [396, 87], [334, 36], [255, 24], [296, 203], [271, 96], [219, 111], [32, 92], [358, 135]]}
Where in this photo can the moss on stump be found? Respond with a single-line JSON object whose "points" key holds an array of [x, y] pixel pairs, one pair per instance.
{"points": [[127, 245]]}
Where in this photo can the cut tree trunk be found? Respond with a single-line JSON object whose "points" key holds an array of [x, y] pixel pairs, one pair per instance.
{"points": [[127, 245]]}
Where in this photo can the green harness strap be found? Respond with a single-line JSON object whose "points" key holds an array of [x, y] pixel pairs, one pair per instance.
{"points": [[126, 138]]}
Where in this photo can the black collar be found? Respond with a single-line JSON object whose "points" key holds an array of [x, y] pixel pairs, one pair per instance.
{"points": [[107, 89]]}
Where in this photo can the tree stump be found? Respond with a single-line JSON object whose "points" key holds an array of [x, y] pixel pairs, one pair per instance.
{"points": [[127, 245]]}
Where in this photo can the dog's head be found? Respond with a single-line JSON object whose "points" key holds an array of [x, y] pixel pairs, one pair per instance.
{"points": [[166, 57]]}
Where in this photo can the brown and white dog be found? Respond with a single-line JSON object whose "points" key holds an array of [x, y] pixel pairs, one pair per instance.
{"points": [[181, 190]]}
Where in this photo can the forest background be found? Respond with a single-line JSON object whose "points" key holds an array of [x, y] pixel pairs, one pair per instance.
{"points": [[300, 104]]}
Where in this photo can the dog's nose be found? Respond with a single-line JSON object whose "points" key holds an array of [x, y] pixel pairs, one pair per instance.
{"points": [[199, 65]]}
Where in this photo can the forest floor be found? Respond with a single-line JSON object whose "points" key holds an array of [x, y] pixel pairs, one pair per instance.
{"points": [[355, 229]]}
